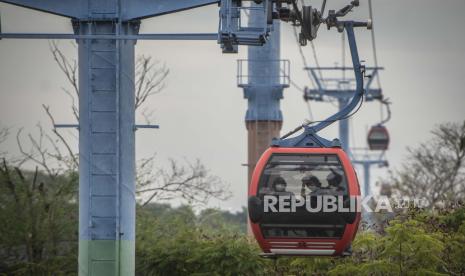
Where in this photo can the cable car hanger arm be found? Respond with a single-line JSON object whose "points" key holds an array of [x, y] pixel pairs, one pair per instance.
{"points": [[387, 104], [358, 71], [309, 138]]}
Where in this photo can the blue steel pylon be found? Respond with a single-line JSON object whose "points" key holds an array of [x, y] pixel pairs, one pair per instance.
{"points": [[106, 32]]}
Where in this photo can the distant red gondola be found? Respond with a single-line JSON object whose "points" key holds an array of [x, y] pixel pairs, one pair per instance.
{"points": [[378, 138]]}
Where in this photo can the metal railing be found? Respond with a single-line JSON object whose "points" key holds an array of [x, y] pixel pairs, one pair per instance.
{"points": [[233, 26], [269, 76]]}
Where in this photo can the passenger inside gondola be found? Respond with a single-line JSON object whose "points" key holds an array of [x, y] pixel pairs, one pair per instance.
{"points": [[335, 182], [279, 186], [308, 176], [310, 183]]}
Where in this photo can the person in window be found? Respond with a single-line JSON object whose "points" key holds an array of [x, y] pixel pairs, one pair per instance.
{"points": [[315, 186], [335, 182], [279, 187], [311, 183]]}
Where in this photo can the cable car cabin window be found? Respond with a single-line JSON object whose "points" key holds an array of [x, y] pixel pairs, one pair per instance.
{"points": [[303, 175], [378, 135], [302, 231]]}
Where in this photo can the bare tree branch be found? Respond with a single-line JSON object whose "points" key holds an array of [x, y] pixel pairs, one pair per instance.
{"points": [[4, 132], [68, 67], [436, 169], [191, 182], [150, 79], [37, 153], [62, 139], [5, 171], [148, 115]]}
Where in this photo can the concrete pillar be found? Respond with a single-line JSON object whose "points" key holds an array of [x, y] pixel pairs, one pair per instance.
{"points": [[259, 136]]}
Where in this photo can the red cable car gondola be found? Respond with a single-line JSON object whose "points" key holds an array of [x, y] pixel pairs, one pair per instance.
{"points": [[378, 138], [295, 173], [288, 172]]}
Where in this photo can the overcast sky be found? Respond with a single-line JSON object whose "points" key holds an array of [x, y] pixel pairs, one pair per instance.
{"points": [[421, 44]]}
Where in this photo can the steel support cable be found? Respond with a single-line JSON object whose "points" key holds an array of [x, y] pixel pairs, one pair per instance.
{"points": [[373, 42], [381, 111], [304, 61], [302, 55], [309, 109], [315, 57], [375, 57], [343, 63], [296, 86]]}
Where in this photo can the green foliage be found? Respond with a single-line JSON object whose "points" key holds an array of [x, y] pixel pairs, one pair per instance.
{"points": [[453, 220], [409, 246], [39, 238], [38, 230], [373, 267], [454, 239], [176, 242], [216, 219], [309, 266]]}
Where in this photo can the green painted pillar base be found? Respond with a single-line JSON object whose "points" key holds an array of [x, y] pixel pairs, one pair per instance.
{"points": [[106, 257]]}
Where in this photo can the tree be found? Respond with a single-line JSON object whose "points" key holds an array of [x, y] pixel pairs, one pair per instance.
{"points": [[174, 241], [215, 218], [188, 180], [435, 170], [191, 182], [3, 136], [38, 210], [38, 188], [410, 249], [39, 219], [454, 253], [150, 77]]}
